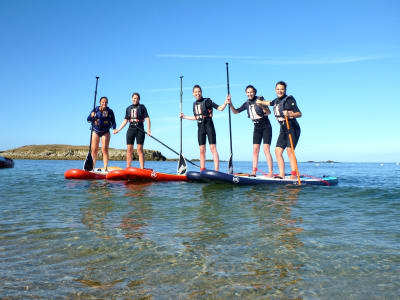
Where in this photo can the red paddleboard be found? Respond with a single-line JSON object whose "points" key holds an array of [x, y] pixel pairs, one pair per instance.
{"points": [[83, 174], [151, 175], [117, 175]]}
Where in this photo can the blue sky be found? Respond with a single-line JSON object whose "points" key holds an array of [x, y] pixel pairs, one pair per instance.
{"points": [[340, 59]]}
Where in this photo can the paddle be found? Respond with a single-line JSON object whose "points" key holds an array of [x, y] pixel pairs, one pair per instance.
{"points": [[291, 144], [230, 165], [88, 165], [163, 144], [182, 162]]}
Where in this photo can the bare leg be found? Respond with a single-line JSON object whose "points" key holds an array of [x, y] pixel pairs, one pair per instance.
{"points": [[256, 151], [292, 161], [129, 153], [268, 156], [214, 152], [281, 162], [105, 142], [95, 147], [202, 156], [140, 154]]}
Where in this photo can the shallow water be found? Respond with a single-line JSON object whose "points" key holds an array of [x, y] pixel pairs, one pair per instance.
{"points": [[179, 240]]}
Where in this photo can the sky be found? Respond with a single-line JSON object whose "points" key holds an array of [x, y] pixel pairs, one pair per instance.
{"points": [[340, 59]]}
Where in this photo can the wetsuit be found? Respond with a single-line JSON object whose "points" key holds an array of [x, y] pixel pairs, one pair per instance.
{"points": [[102, 120], [262, 125], [202, 110], [281, 104], [135, 114]]}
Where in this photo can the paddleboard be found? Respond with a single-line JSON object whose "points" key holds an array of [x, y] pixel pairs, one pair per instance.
{"points": [[151, 175], [245, 179], [6, 162], [118, 174], [98, 173]]}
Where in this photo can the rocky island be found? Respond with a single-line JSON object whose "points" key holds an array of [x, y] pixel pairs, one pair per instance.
{"points": [[70, 152]]}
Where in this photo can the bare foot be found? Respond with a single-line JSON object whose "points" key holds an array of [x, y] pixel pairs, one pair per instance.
{"points": [[270, 175]]}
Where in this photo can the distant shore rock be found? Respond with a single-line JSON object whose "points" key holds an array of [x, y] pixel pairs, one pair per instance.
{"points": [[69, 152], [326, 161]]}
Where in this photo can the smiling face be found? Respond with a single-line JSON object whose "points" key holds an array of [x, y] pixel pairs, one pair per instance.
{"points": [[280, 90], [135, 99], [250, 92], [197, 93], [103, 102]]}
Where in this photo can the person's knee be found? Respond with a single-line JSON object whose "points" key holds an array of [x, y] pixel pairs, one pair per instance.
{"points": [[213, 148], [202, 149], [278, 151]]}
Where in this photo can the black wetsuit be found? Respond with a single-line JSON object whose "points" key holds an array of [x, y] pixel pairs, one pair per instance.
{"points": [[262, 125], [288, 104], [135, 114], [202, 110]]}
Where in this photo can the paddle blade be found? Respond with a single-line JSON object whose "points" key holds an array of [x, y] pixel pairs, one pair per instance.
{"points": [[181, 165], [230, 165], [88, 165]]}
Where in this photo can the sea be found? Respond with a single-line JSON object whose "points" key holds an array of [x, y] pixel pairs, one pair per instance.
{"points": [[96, 239]]}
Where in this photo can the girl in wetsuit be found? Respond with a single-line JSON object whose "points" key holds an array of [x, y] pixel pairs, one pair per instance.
{"points": [[285, 105], [102, 118], [262, 127], [135, 115], [202, 110]]}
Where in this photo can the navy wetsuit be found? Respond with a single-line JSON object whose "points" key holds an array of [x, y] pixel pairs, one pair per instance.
{"points": [[102, 121]]}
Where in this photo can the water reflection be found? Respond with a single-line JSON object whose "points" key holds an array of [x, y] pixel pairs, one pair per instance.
{"points": [[278, 263], [141, 210], [100, 204]]}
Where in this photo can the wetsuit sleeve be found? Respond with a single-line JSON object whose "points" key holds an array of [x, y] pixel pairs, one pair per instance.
{"points": [[145, 114], [112, 118], [89, 118], [272, 103], [291, 105], [210, 104], [128, 113], [243, 107]]}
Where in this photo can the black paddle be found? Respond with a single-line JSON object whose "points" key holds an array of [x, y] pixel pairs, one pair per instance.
{"points": [[163, 144], [88, 165], [230, 164], [182, 162]]}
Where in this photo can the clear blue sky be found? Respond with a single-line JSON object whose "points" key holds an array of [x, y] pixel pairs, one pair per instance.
{"points": [[340, 59]]}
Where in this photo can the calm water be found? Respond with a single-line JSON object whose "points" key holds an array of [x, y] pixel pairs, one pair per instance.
{"points": [[97, 239]]}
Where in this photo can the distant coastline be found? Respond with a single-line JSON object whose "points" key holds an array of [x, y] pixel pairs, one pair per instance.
{"points": [[325, 161], [71, 152]]}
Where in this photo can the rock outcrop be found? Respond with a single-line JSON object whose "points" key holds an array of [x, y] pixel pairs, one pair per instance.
{"points": [[69, 152]]}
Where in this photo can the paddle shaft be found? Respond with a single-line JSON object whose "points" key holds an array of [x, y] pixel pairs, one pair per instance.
{"points": [[229, 113], [291, 144], [94, 106], [180, 153], [164, 144]]}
